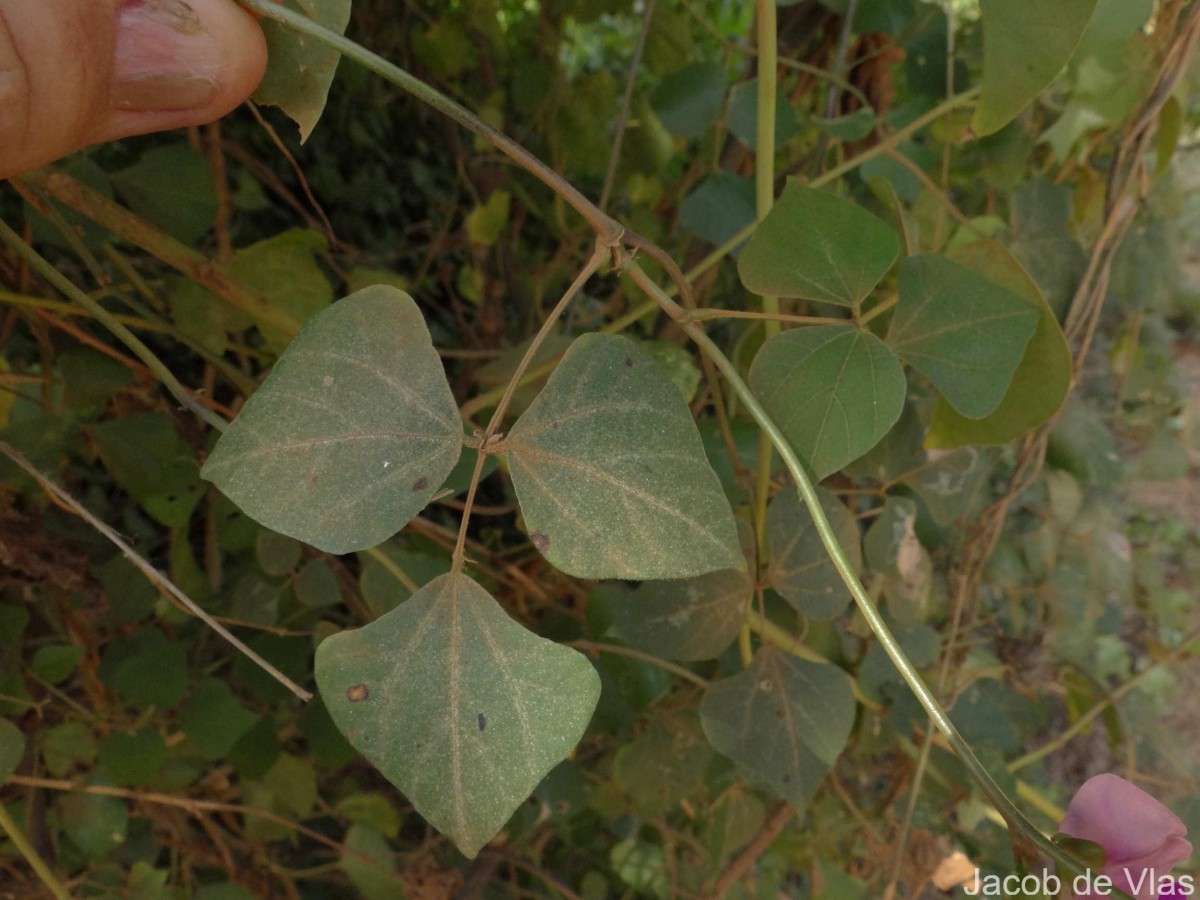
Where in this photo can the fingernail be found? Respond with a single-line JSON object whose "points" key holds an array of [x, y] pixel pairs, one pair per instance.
{"points": [[164, 57]]}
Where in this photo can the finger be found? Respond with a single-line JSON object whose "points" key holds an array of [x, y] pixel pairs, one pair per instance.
{"points": [[77, 72]]}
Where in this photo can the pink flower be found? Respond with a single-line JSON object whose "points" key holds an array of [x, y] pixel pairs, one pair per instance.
{"points": [[1142, 839]]}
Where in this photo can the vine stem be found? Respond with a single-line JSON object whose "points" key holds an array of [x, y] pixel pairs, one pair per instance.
{"points": [[764, 198], [26, 849], [151, 573], [1016, 820], [602, 252]]}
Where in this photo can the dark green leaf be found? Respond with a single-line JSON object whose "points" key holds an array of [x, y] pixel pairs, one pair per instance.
{"points": [[55, 662], [688, 101], [965, 333], [95, 824], [950, 483], [12, 748], [63, 746], [300, 68], [816, 245], [352, 432], [696, 618], [155, 674], [834, 391], [457, 705], [800, 568], [132, 759], [783, 719], [316, 585], [720, 206], [172, 187], [610, 472], [664, 764], [1042, 378], [213, 719], [1026, 43], [148, 458], [742, 115]]}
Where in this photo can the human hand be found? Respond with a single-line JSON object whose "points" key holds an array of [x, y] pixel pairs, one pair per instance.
{"points": [[79, 72]]}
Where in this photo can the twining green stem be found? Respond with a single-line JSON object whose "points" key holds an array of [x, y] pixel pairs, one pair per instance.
{"points": [[764, 199], [26, 849], [64, 285], [1011, 814], [599, 256]]}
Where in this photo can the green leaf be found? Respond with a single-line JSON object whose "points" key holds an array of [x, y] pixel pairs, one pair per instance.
{"points": [[816, 245], [486, 223], [132, 759], [370, 864], [800, 570], [374, 810], [679, 365], [155, 674], [742, 116], [213, 719], [664, 764], [148, 458], [95, 824], [720, 206], [277, 554], [316, 585], [783, 719], [688, 101], [284, 269], [1042, 379], [695, 618], [610, 472], [457, 705], [1026, 43], [965, 333], [890, 544], [834, 391], [352, 432], [950, 482], [386, 583], [172, 187], [55, 662], [63, 746], [300, 68], [12, 748]]}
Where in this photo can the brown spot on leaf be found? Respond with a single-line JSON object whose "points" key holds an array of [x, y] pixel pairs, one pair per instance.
{"points": [[312, 479], [628, 363], [357, 693], [482, 719], [541, 541], [787, 779], [420, 484]]}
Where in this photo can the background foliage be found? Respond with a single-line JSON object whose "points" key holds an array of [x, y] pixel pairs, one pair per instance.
{"points": [[751, 736]]}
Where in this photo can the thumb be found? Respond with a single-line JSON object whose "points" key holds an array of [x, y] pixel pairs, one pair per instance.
{"points": [[77, 72]]}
